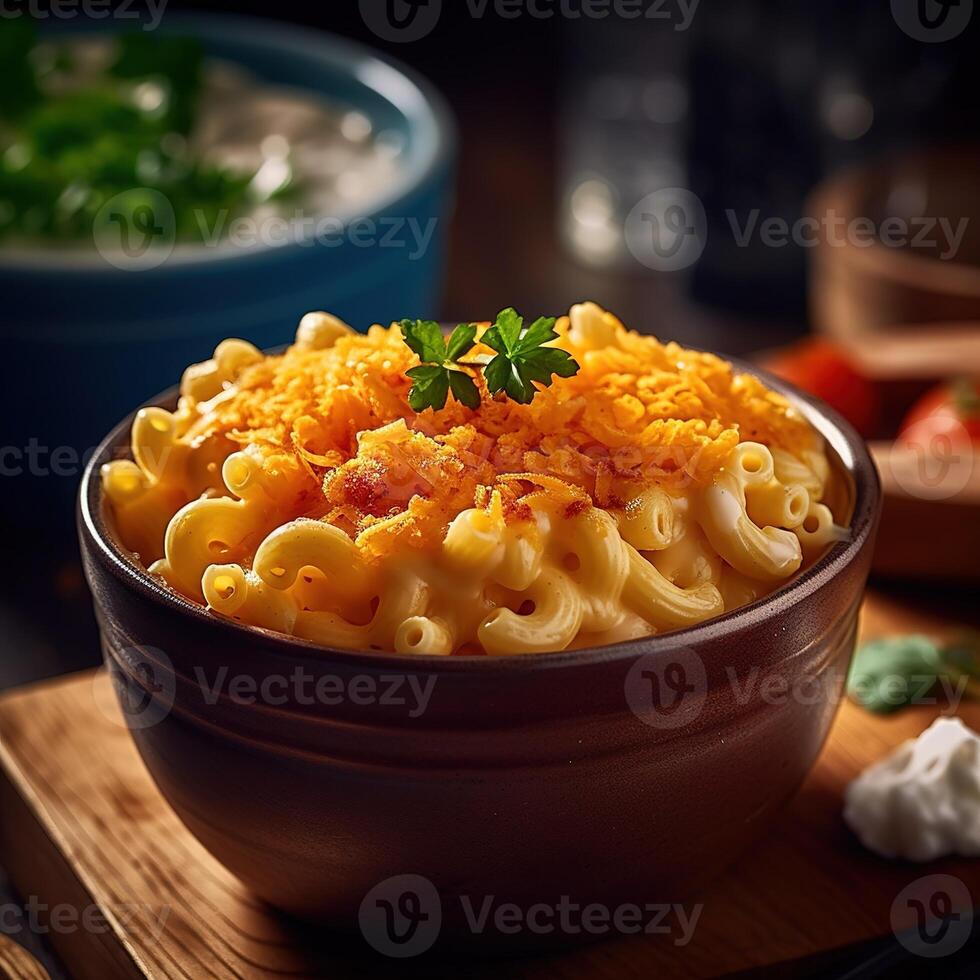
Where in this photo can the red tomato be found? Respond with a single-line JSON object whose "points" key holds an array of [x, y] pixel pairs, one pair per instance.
{"points": [[819, 368], [951, 409]]}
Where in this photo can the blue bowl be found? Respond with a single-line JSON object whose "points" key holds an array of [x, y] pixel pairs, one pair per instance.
{"points": [[85, 340]]}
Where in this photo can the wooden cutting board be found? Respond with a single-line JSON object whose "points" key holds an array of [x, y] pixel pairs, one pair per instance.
{"points": [[83, 828], [17, 964]]}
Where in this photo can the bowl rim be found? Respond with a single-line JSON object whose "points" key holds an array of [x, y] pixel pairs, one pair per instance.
{"points": [[851, 450], [409, 92]]}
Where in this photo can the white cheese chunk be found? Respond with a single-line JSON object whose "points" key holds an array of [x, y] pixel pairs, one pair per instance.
{"points": [[922, 801]]}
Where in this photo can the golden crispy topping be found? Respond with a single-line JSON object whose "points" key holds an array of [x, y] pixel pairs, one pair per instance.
{"points": [[638, 412]]}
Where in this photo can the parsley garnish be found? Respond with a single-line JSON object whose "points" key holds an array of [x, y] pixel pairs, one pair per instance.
{"points": [[521, 360], [439, 371], [522, 357]]}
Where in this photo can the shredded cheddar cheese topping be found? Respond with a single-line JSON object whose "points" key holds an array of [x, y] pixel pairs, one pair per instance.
{"points": [[638, 412]]}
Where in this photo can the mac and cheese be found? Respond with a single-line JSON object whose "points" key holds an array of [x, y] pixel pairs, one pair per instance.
{"points": [[651, 491]]}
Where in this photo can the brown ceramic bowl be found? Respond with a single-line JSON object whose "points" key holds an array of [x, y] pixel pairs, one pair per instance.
{"points": [[533, 779]]}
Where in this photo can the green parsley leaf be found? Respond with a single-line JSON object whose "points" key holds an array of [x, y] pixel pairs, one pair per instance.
{"points": [[496, 373], [438, 374], [426, 339], [430, 387], [505, 332], [464, 389], [521, 357], [522, 361], [461, 340], [539, 333]]}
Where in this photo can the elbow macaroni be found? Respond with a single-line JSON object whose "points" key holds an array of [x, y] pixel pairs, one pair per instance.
{"points": [[300, 494]]}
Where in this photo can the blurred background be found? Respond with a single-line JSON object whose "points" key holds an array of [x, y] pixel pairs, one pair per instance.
{"points": [[791, 183]]}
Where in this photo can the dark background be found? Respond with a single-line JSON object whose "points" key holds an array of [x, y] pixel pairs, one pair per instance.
{"points": [[758, 82], [758, 73]]}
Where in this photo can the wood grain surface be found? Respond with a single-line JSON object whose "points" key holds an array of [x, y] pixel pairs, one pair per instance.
{"points": [[16, 963], [84, 830]]}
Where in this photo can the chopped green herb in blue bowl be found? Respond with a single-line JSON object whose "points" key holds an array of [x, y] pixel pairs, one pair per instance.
{"points": [[218, 176]]}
